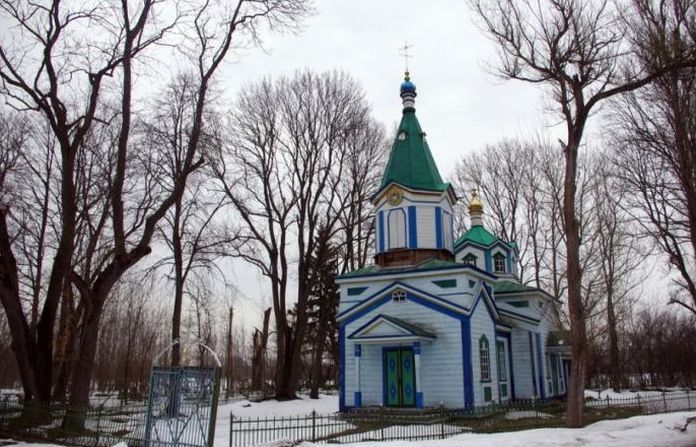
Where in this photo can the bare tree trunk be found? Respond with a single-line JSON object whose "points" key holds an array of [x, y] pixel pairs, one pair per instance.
{"points": [[259, 358], [228, 358]]}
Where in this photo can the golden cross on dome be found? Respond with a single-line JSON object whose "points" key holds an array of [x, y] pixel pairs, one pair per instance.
{"points": [[405, 53]]}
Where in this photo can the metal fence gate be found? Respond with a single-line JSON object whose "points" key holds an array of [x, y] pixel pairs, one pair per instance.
{"points": [[182, 406]]}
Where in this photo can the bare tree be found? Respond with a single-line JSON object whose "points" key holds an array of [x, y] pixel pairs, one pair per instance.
{"points": [[74, 93], [189, 229], [654, 128], [283, 175], [578, 50]]}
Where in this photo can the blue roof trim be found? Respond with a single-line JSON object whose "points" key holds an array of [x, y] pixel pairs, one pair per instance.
{"points": [[397, 284], [458, 246], [416, 270], [394, 321], [490, 303]]}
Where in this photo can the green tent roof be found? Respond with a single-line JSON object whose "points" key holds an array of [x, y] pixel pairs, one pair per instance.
{"points": [[410, 163], [478, 235]]}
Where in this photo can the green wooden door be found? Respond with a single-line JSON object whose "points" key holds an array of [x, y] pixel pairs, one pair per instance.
{"points": [[400, 378], [408, 379]]}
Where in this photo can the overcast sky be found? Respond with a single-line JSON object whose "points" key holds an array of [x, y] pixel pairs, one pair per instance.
{"points": [[460, 105]]}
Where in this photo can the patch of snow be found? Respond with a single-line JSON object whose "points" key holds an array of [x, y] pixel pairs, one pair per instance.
{"points": [[326, 404], [656, 430]]}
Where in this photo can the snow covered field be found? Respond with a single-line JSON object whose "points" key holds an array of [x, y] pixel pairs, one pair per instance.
{"points": [[656, 430], [641, 431]]}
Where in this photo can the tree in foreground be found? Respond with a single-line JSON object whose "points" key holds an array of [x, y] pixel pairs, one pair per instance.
{"points": [[581, 52], [105, 203]]}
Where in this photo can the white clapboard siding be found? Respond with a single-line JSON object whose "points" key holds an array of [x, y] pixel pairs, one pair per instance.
{"points": [[521, 364], [445, 352]]}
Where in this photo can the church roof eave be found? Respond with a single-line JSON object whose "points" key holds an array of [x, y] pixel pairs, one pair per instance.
{"points": [[447, 187]]}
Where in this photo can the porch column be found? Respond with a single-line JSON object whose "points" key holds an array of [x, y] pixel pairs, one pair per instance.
{"points": [[358, 394], [417, 364]]}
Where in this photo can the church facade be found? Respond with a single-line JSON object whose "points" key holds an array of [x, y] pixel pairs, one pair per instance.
{"points": [[439, 321]]}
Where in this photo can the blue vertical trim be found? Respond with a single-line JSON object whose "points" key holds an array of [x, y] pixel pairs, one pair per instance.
{"points": [[438, 227], [540, 359], [533, 362], [419, 399], [357, 399], [451, 229], [412, 228], [508, 260], [467, 367], [416, 347], [384, 376], [489, 260], [358, 350], [341, 368], [512, 371], [380, 222]]}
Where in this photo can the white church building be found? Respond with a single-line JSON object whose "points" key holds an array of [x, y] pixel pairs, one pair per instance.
{"points": [[439, 321]]}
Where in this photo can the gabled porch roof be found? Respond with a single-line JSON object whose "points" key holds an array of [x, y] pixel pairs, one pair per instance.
{"points": [[387, 329]]}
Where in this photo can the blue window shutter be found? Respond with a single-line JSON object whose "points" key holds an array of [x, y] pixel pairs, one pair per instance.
{"points": [[412, 228], [438, 227]]}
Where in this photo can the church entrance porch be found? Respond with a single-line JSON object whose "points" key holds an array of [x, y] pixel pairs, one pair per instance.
{"points": [[400, 377]]}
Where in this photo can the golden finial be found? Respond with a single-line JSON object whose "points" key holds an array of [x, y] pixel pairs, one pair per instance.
{"points": [[475, 205]]}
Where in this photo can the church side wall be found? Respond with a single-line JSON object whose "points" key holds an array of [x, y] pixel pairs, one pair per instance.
{"points": [[521, 364], [482, 324], [441, 364]]}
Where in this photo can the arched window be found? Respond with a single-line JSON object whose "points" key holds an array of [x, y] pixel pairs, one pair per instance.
{"points": [[397, 229], [499, 262], [470, 259], [485, 354], [399, 296], [502, 369]]}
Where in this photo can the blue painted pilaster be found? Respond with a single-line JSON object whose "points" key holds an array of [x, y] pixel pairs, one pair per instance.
{"points": [[540, 360], [438, 227], [412, 228], [341, 368], [467, 367]]}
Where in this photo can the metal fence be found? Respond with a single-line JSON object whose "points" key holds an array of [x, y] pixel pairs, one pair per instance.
{"points": [[382, 424], [90, 427]]}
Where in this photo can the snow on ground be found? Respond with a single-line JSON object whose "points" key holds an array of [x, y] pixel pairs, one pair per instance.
{"points": [[656, 430], [326, 404]]}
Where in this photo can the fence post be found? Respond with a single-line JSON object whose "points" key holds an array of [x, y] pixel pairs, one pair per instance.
{"points": [[314, 425], [442, 428], [640, 408], [231, 431], [688, 399], [664, 400], [99, 412]]}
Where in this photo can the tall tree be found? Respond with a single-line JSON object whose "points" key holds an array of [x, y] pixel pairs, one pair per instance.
{"points": [[75, 94], [655, 128], [283, 175], [578, 51]]}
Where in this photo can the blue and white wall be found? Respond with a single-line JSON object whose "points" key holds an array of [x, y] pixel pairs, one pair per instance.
{"points": [[421, 220]]}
